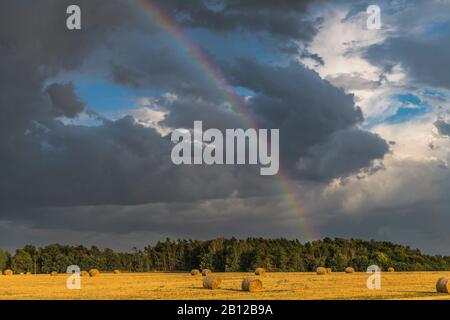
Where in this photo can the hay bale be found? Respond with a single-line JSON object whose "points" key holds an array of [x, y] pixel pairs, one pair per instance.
{"points": [[349, 270], [8, 272], [328, 270], [211, 282], [28, 273], [94, 272], [53, 273], [321, 270], [117, 271], [205, 272], [443, 285], [260, 271], [391, 269], [195, 272], [251, 284], [84, 273]]}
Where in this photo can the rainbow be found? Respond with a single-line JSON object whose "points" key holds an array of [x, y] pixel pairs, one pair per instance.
{"points": [[286, 185]]}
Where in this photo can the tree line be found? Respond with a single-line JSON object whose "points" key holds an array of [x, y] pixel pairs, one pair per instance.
{"points": [[226, 255]]}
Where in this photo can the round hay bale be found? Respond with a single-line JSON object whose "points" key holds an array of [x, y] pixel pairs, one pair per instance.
{"points": [[84, 273], [251, 284], [260, 271], [211, 282], [53, 273], [28, 273], [321, 270], [117, 271], [349, 270], [391, 269], [94, 272], [443, 285], [205, 272], [329, 270], [195, 272], [8, 272]]}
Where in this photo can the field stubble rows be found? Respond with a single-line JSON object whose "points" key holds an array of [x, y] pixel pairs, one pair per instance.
{"points": [[279, 285]]}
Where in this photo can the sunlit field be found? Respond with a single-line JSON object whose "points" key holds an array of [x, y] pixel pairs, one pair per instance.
{"points": [[399, 285]]}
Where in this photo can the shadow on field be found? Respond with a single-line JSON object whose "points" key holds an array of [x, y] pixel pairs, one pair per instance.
{"points": [[233, 290], [238, 290], [422, 294]]}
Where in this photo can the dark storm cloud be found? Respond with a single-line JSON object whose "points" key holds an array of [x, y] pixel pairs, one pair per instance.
{"points": [[157, 62], [124, 76], [184, 110], [186, 218], [443, 127], [317, 121], [261, 216], [418, 224], [35, 45], [119, 162], [344, 153], [36, 30], [48, 164], [64, 100], [424, 59], [286, 19]]}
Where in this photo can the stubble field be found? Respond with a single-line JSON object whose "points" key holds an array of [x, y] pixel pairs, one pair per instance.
{"points": [[399, 285]]}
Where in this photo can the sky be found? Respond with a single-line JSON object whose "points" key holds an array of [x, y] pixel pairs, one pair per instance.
{"points": [[86, 117]]}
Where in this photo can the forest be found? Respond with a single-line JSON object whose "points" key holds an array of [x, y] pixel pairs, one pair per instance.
{"points": [[226, 255]]}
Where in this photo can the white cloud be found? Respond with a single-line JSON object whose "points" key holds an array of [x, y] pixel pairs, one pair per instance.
{"points": [[341, 43], [149, 113]]}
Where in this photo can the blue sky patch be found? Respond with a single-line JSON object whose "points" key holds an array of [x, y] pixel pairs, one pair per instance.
{"points": [[108, 98], [434, 93], [408, 98], [410, 107]]}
